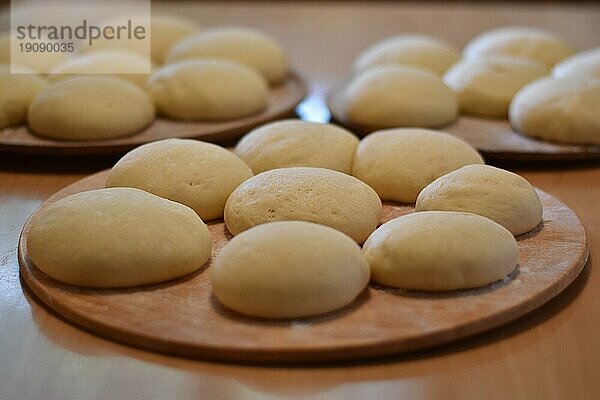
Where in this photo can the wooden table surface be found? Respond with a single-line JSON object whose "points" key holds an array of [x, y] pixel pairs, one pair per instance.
{"points": [[551, 353]]}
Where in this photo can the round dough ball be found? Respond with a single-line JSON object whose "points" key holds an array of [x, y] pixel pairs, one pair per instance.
{"points": [[316, 195], [392, 96], [500, 195], [115, 63], [208, 90], [561, 110], [295, 143], [440, 250], [242, 45], [90, 108], [485, 86], [166, 32], [198, 174], [17, 91], [533, 44], [117, 238], [582, 65], [419, 51], [289, 269], [399, 163], [41, 61]]}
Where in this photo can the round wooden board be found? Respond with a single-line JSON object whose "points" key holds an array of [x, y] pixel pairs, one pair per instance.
{"points": [[494, 138], [182, 316], [282, 101]]}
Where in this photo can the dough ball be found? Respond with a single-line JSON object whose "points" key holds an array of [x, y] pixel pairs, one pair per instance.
{"points": [[40, 61], [208, 90], [17, 91], [582, 65], [166, 32], [530, 43], [419, 51], [289, 269], [562, 110], [500, 195], [90, 108], [242, 45], [485, 86], [198, 174], [399, 163], [385, 97], [295, 143], [440, 250], [108, 62], [317, 195], [117, 238]]}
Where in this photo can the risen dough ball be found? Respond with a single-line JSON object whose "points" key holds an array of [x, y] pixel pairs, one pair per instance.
{"points": [[399, 163], [117, 238], [316, 195], [533, 44], [295, 143], [107, 62], [440, 250], [198, 174], [500, 195], [582, 65], [208, 90], [166, 32], [242, 45], [17, 91], [419, 51], [385, 97], [485, 86], [90, 108], [289, 269], [562, 110]]}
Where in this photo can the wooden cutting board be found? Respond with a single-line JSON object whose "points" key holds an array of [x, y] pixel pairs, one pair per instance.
{"points": [[182, 317], [282, 101], [494, 138]]}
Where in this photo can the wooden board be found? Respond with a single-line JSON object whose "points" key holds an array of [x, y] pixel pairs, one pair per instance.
{"points": [[494, 138], [182, 316], [282, 101]]}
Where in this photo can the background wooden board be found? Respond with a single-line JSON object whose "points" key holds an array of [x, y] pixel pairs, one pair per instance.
{"points": [[282, 100], [183, 317], [494, 138]]}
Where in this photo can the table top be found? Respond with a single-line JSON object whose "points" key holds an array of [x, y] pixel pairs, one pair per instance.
{"points": [[551, 353]]}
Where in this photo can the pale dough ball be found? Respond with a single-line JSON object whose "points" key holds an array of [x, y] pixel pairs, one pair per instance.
{"points": [[440, 250], [198, 174], [295, 143], [392, 96], [90, 108], [485, 86], [317, 195], [117, 238], [399, 163], [166, 32], [531, 43], [17, 91], [117, 63], [208, 90], [500, 195], [582, 65], [562, 110], [242, 45], [289, 269], [419, 51], [40, 61]]}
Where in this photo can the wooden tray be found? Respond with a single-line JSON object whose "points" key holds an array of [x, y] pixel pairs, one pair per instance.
{"points": [[182, 316], [494, 138], [283, 99]]}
